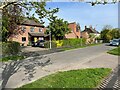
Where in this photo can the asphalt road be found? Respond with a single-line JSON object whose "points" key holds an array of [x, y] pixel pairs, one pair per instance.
{"points": [[79, 54], [61, 60]]}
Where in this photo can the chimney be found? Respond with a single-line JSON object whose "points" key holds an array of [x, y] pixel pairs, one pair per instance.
{"points": [[85, 27]]}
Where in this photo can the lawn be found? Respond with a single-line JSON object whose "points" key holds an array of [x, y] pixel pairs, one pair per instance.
{"points": [[83, 78], [15, 57], [115, 51]]}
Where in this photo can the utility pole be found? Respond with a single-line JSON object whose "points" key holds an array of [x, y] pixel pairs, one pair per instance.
{"points": [[50, 39]]}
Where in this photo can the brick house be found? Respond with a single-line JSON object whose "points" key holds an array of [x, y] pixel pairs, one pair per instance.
{"points": [[29, 32], [87, 32], [75, 32]]}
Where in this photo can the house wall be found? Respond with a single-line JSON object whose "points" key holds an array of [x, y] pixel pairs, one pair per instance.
{"points": [[25, 34], [74, 33], [85, 35]]}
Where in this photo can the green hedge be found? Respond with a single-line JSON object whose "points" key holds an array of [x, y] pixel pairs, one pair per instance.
{"points": [[66, 43], [73, 42], [10, 48], [47, 44]]}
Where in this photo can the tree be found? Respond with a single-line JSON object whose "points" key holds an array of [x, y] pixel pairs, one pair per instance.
{"points": [[11, 17], [58, 29], [108, 34], [104, 35], [109, 27], [115, 33], [103, 2], [13, 13]]}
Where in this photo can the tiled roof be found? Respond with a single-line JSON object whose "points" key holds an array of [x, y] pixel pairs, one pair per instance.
{"points": [[38, 34], [89, 30], [32, 23]]}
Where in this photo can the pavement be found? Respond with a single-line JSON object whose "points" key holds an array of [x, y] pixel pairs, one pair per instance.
{"points": [[89, 57]]}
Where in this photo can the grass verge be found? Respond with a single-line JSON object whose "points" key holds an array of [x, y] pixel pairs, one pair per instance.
{"points": [[83, 78], [115, 51], [16, 57]]}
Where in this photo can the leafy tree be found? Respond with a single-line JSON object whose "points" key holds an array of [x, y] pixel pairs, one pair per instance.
{"points": [[11, 17], [58, 29], [109, 27], [115, 33], [42, 12], [13, 13], [104, 35], [109, 34], [102, 2]]}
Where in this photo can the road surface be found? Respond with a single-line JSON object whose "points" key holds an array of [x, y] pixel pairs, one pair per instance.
{"points": [[89, 57]]}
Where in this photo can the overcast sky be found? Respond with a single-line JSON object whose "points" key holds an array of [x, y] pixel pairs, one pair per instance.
{"points": [[85, 14]]}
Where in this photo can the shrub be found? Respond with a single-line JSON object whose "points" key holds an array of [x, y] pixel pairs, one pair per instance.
{"points": [[73, 42], [10, 48], [59, 43], [66, 43], [47, 44], [16, 57]]}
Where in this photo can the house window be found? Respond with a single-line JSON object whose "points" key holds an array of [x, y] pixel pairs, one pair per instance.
{"points": [[23, 39], [40, 29], [32, 29], [23, 28]]}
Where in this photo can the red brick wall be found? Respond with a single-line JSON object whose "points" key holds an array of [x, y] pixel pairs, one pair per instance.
{"points": [[18, 37], [74, 33], [85, 35]]}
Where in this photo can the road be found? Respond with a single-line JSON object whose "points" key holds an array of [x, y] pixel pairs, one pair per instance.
{"points": [[89, 57], [78, 55]]}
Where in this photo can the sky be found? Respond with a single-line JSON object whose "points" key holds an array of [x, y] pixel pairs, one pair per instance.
{"points": [[83, 13]]}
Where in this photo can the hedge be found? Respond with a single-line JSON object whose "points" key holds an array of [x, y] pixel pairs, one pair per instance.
{"points": [[47, 44], [66, 43], [73, 42], [10, 48]]}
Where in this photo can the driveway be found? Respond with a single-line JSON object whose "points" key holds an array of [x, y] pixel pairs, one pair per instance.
{"points": [[89, 57], [32, 49]]}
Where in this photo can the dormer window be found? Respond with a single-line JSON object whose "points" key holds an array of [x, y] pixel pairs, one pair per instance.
{"points": [[23, 28], [40, 30], [32, 29]]}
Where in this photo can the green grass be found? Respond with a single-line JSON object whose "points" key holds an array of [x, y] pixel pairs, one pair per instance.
{"points": [[115, 51], [16, 57], [83, 78], [75, 47]]}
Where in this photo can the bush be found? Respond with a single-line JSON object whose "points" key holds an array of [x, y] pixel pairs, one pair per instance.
{"points": [[59, 43], [10, 48], [47, 44], [16, 57], [66, 43], [73, 42]]}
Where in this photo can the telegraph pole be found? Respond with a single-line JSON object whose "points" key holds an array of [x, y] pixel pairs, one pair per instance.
{"points": [[50, 39]]}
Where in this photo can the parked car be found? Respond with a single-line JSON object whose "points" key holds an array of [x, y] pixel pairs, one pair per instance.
{"points": [[39, 43], [115, 42]]}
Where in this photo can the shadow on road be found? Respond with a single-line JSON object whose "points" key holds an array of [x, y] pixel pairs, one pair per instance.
{"points": [[28, 65]]}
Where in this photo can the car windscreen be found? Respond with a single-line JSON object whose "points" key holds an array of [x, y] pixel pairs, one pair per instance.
{"points": [[115, 40]]}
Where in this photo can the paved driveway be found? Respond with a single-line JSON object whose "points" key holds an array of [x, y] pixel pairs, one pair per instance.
{"points": [[32, 49], [89, 57]]}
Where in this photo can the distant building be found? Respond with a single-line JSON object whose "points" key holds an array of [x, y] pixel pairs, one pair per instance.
{"points": [[75, 32], [87, 32]]}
